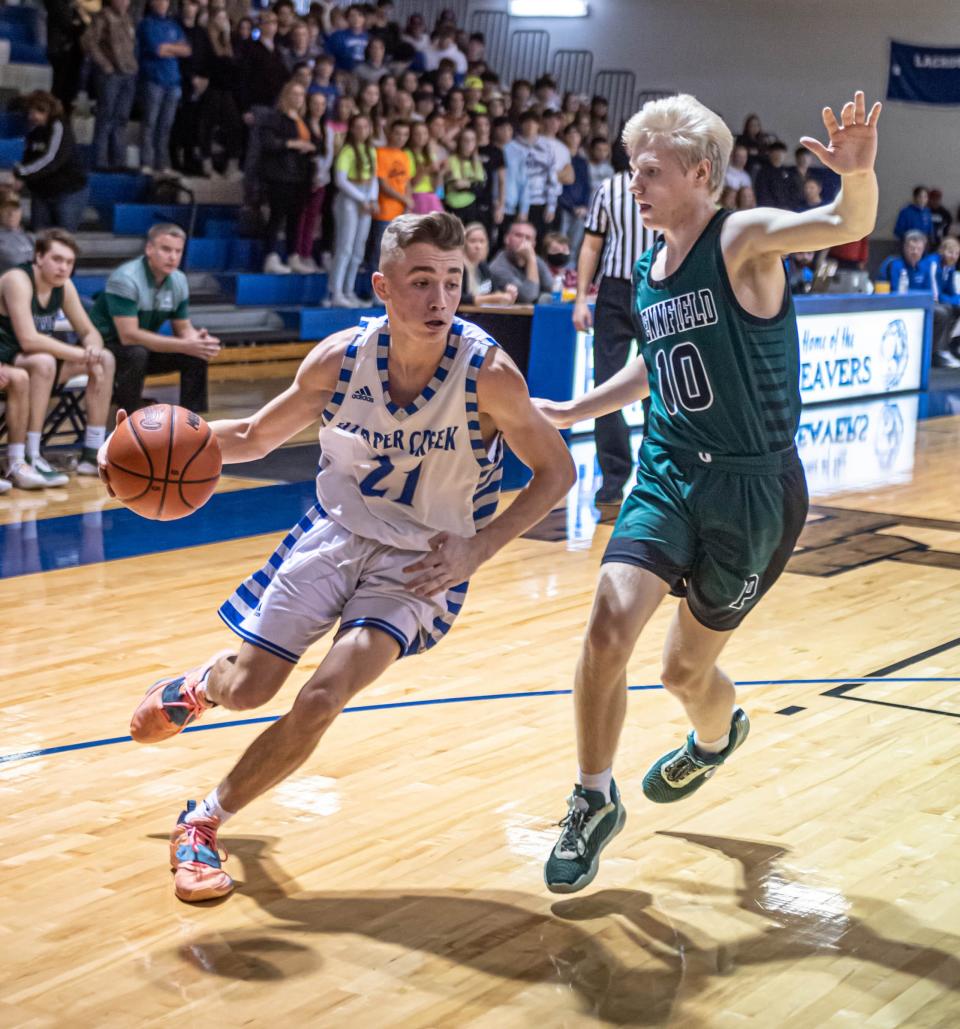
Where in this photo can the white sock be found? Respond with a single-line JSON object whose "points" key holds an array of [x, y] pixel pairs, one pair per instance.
{"points": [[210, 807], [712, 746], [599, 781], [94, 437], [33, 445], [15, 455]]}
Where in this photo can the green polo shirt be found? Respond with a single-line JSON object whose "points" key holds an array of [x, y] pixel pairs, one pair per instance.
{"points": [[133, 292]]}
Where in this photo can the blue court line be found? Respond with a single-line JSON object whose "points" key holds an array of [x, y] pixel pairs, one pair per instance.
{"points": [[265, 719]]}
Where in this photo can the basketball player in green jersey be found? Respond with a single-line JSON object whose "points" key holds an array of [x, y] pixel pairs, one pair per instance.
{"points": [[720, 497]]}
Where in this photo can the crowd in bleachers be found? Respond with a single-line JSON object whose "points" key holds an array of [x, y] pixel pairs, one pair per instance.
{"points": [[338, 121]]}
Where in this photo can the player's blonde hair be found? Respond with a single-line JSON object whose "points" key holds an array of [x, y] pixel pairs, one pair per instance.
{"points": [[688, 128]]}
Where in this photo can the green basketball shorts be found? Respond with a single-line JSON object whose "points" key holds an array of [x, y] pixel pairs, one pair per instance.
{"points": [[718, 530]]}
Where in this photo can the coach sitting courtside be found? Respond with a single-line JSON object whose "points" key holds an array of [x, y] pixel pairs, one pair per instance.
{"points": [[140, 296]]}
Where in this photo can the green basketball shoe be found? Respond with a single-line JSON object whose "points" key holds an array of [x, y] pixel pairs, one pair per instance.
{"points": [[591, 823], [682, 772]]}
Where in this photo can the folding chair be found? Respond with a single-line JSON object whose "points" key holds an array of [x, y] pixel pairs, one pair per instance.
{"points": [[67, 407]]}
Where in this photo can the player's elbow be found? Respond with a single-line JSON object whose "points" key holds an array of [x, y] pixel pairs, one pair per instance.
{"points": [[253, 444]]}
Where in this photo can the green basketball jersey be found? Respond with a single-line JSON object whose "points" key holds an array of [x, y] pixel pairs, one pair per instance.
{"points": [[722, 381], [44, 317]]}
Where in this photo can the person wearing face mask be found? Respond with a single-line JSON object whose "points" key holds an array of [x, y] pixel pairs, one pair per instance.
{"points": [[559, 258]]}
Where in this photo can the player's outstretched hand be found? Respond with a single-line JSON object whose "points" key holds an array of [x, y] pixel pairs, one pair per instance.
{"points": [[555, 411], [102, 454], [451, 561], [852, 142]]}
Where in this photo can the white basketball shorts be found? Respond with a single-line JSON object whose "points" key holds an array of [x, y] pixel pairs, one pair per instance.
{"points": [[322, 573]]}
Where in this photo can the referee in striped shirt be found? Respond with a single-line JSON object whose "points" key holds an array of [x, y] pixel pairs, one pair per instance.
{"points": [[615, 238]]}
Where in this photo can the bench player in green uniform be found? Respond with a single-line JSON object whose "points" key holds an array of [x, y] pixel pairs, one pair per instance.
{"points": [[720, 497]]}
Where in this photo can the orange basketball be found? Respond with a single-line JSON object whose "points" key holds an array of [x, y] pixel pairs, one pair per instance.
{"points": [[163, 462]]}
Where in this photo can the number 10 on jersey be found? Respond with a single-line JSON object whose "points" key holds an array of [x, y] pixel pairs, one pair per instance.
{"points": [[683, 379]]}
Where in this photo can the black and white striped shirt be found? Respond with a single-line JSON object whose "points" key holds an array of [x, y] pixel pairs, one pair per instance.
{"points": [[615, 215]]}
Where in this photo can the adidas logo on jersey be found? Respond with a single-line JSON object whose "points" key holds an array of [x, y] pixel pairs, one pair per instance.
{"points": [[363, 394]]}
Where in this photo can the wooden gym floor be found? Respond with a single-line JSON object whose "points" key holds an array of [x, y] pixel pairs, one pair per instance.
{"points": [[396, 879]]}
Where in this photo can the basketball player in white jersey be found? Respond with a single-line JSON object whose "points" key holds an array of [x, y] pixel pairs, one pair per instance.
{"points": [[416, 407]]}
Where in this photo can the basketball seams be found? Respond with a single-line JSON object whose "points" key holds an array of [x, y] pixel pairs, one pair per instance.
{"points": [[184, 481], [140, 443], [146, 453], [172, 418]]}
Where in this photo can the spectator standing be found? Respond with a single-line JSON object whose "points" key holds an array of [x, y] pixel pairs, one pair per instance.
{"points": [[16, 246], [368, 104], [65, 26], [545, 94], [808, 167], [264, 70], [194, 71], [465, 178], [519, 266], [324, 143], [296, 50], [444, 47], [575, 197], [737, 176], [348, 46], [776, 185], [286, 14], [456, 112], [374, 67], [415, 34], [286, 152], [478, 279], [355, 171], [543, 188], [110, 42], [439, 138], [51, 167], [160, 42], [382, 26], [915, 216], [140, 297], [599, 109], [939, 216], [428, 173], [550, 122], [755, 140], [599, 163], [490, 196], [811, 195], [31, 296], [395, 170], [220, 120], [322, 80], [615, 238]]}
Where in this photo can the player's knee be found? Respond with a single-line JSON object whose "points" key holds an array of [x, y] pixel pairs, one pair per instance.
{"points": [[317, 705], [18, 381], [682, 677], [608, 638], [42, 366]]}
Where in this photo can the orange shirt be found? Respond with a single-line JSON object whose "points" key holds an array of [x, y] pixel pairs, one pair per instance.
{"points": [[395, 167]]}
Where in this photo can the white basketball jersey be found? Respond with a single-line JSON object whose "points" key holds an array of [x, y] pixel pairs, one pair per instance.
{"points": [[399, 475]]}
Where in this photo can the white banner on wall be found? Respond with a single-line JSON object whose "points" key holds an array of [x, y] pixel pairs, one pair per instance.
{"points": [[860, 353], [583, 381], [858, 444]]}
